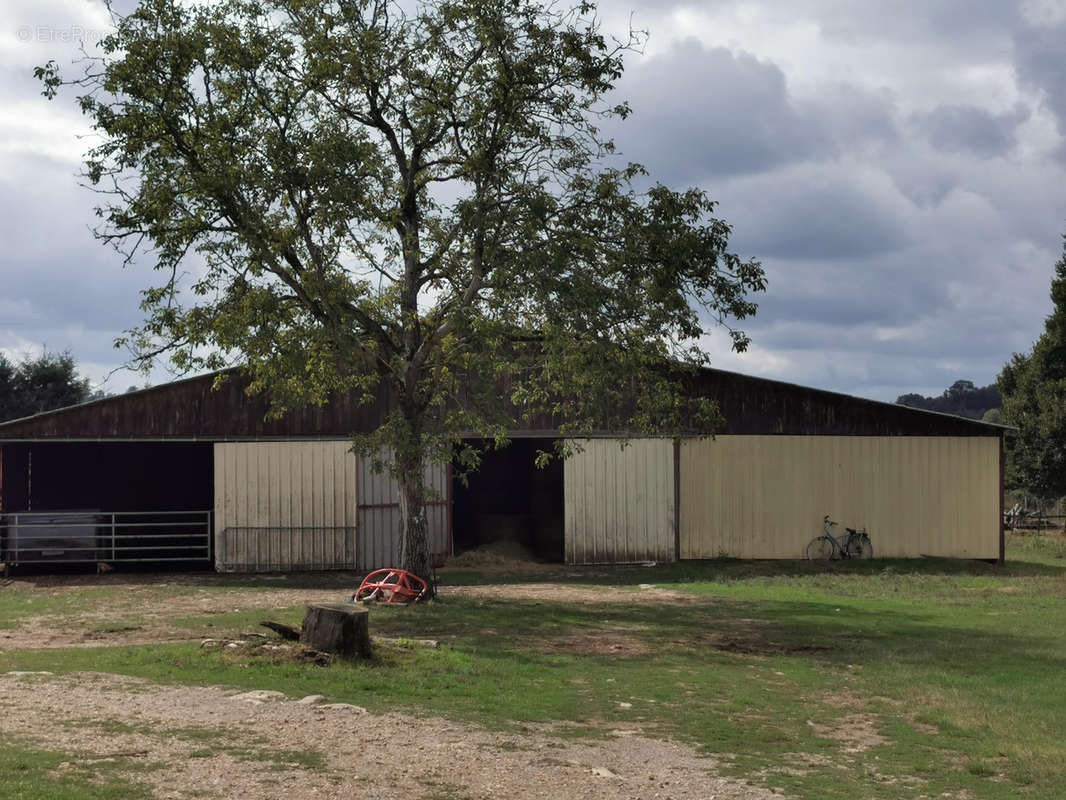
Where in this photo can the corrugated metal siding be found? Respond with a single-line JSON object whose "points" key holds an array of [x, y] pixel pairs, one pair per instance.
{"points": [[619, 503], [379, 515], [765, 496], [311, 505], [285, 506]]}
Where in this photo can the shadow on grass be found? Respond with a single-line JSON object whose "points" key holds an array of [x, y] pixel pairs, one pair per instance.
{"points": [[733, 569], [1040, 556], [827, 632], [291, 580]]}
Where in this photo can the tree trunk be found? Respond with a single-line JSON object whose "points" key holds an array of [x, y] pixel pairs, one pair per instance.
{"points": [[339, 628], [414, 527]]}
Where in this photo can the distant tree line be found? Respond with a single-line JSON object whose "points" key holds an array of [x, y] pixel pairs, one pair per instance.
{"points": [[44, 383], [961, 398], [1034, 393], [1033, 390]]}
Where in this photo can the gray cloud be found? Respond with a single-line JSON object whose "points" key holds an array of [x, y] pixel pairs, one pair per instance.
{"points": [[857, 120], [1038, 59], [61, 288], [702, 113], [903, 253], [952, 23], [818, 212], [965, 129]]}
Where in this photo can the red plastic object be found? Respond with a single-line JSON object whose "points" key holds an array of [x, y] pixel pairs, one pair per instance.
{"points": [[391, 586]]}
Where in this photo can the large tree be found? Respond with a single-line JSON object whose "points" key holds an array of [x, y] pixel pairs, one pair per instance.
{"points": [[1034, 400], [41, 383], [411, 201]]}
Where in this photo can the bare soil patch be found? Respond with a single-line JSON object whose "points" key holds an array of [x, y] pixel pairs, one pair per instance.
{"points": [[602, 643], [855, 732], [568, 593], [845, 699], [222, 744], [751, 645], [141, 609], [129, 620]]}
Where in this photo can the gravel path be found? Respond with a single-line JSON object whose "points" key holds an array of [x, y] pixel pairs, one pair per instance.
{"points": [[220, 743]]}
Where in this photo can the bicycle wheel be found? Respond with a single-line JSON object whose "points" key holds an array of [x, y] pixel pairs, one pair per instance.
{"points": [[861, 547], [820, 549]]}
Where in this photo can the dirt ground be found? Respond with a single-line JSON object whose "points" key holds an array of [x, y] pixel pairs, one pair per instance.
{"points": [[140, 610], [220, 743], [228, 744], [139, 614]]}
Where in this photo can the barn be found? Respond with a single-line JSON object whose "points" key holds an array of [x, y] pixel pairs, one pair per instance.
{"points": [[192, 473]]}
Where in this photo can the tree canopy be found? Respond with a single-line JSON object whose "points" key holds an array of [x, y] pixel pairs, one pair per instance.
{"points": [[417, 197], [35, 385], [961, 398], [1034, 400]]}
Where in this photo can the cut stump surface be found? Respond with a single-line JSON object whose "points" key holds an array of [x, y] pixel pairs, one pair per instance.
{"points": [[338, 628]]}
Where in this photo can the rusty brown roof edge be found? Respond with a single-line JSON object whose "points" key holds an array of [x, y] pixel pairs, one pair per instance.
{"points": [[831, 393], [163, 387]]}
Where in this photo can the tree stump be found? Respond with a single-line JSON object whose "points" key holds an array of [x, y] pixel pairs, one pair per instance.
{"points": [[338, 628]]}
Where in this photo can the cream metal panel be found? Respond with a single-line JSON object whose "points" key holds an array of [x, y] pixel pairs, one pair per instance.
{"points": [[619, 502], [311, 505], [765, 496], [379, 515], [285, 506]]}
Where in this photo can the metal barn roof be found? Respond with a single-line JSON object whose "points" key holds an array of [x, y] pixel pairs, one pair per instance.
{"points": [[194, 409]]}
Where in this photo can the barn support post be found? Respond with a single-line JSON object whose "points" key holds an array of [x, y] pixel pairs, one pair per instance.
{"points": [[677, 499], [1002, 501], [450, 489]]}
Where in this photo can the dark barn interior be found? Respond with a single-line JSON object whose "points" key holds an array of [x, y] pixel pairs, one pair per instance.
{"points": [[509, 502], [91, 502], [107, 476]]}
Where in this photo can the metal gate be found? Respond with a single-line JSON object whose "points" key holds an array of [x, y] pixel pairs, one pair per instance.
{"points": [[247, 549], [87, 537]]}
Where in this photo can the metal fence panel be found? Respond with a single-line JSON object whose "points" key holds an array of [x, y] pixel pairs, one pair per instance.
{"points": [[287, 549], [86, 537]]}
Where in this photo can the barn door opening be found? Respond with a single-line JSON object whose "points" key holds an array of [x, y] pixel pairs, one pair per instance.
{"points": [[509, 506], [85, 504]]}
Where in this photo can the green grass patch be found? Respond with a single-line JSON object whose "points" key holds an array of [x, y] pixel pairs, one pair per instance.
{"points": [[240, 744], [28, 772], [18, 602], [244, 746], [891, 679]]}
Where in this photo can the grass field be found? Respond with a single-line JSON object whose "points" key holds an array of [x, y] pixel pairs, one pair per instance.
{"points": [[888, 679]]}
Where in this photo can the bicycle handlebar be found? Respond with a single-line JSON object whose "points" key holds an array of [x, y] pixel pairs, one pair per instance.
{"points": [[828, 520]]}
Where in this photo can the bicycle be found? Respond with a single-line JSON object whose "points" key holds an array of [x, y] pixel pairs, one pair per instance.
{"points": [[856, 544]]}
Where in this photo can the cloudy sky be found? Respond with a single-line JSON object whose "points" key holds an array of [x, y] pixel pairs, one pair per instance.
{"points": [[898, 166]]}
